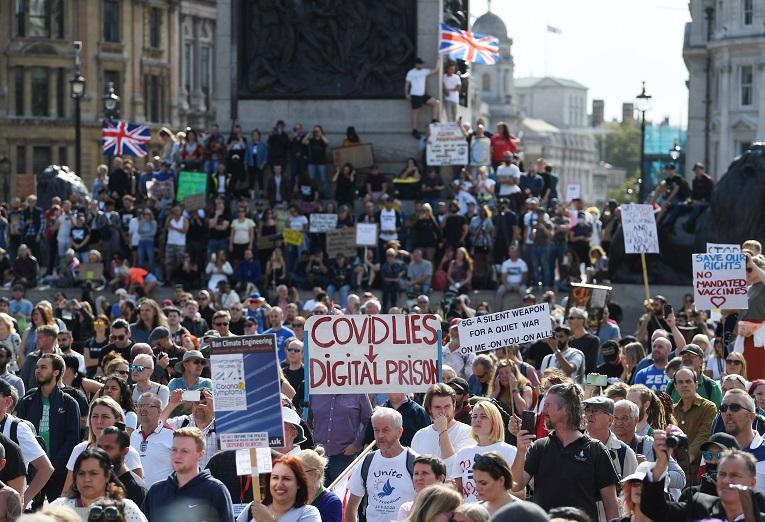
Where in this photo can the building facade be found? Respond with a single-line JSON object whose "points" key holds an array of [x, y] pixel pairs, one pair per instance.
{"points": [[558, 101], [724, 51]]}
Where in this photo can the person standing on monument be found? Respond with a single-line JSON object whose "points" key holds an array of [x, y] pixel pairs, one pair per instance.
{"points": [[414, 90]]}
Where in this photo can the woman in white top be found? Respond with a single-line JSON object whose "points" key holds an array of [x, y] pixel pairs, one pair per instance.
{"points": [[242, 234], [104, 412], [10, 339], [94, 479], [287, 498], [489, 431], [219, 269]]}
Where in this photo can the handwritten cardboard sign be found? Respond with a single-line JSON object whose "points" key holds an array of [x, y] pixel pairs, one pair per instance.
{"points": [[446, 145], [360, 156], [573, 191], [366, 234], [722, 248], [639, 225], [322, 222], [719, 281], [293, 237], [372, 353], [341, 241], [520, 325]]}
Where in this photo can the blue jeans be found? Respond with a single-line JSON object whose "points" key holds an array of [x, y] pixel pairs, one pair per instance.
{"points": [[213, 245], [540, 265], [557, 252], [318, 174], [146, 254], [344, 291]]}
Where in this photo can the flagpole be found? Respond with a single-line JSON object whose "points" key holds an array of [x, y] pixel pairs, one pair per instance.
{"points": [[352, 465]]}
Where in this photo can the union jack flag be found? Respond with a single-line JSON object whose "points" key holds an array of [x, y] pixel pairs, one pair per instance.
{"points": [[124, 139], [469, 46]]}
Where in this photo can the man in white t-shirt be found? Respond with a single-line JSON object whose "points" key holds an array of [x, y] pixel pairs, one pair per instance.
{"points": [[152, 440], [508, 175], [414, 91], [388, 481], [569, 360], [452, 84], [512, 279], [446, 436]]}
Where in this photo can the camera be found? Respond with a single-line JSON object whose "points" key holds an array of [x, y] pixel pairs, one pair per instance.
{"points": [[677, 440], [77, 44]]}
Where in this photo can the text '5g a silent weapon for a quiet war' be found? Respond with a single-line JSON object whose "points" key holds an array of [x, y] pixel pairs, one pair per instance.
{"points": [[492, 331]]}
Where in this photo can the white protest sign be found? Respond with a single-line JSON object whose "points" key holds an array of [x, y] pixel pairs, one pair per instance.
{"points": [[639, 225], [722, 248], [719, 281], [372, 353], [492, 331], [446, 145], [243, 464], [480, 151], [322, 222], [573, 191], [366, 234]]}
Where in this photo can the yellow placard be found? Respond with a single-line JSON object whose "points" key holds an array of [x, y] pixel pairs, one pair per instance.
{"points": [[293, 237]]}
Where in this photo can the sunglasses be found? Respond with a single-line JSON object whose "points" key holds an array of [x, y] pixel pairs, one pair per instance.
{"points": [[734, 408], [121, 372], [733, 361], [117, 337], [99, 323], [197, 361], [220, 324], [571, 318], [137, 367], [107, 513], [711, 455], [293, 350]]}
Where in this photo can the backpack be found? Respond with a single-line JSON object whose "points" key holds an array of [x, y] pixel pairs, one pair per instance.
{"points": [[367, 462]]}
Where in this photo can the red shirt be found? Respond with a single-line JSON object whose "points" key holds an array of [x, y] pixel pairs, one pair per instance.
{"points": [[500, 145]]}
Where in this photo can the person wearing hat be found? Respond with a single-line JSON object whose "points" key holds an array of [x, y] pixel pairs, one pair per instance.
{"points": [[569, 360], [206, 310], [693, 357], [612, 367], [293, 432], [250, 326], [701, 195], [632, 489], [462, 407], [190, 367], [711, 451]]}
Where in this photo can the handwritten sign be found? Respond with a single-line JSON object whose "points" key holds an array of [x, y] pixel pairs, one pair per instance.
{"points": [[91, 272], [360, 156], [480, 152], [719, 281], [322, 222], [446, 145], [520, 325], [639, 225], [372, 353], [341, 241], [573, 191], [366, 234], [722, 248], [293, 237]]}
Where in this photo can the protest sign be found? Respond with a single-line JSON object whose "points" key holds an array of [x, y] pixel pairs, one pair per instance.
{"points": [[446, 145], [639, 225], [480, 152], [91, 272], [191, 184], [520, 325], [341, 241], [722, 248], [592, 298], [293, 237], [719, 281], [366, 234], [26, 185], [372, 353], [573, 191], [247, 391], [360, 156], [322, 222]]}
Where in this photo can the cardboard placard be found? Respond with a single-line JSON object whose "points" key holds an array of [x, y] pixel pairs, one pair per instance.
{"points": [[446, 145], [372, 353], [359, 156], [293, 237], [341, 241], [592, 298], [322, 222], [366, 234], [90, 272], [719, 281], [639, 225], [26, 185], [573, 191], [722, 248], [520, 325], [247, 391]]}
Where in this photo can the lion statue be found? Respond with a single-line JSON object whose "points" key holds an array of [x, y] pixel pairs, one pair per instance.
{"points": [[58, 181]]}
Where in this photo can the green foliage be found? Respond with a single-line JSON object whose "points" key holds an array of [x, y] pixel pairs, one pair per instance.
{"points": [[628, 192], [621, 146]]}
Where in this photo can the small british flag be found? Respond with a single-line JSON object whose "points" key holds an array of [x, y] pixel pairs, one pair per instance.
{"points": [[124, 139], [469, 46]]}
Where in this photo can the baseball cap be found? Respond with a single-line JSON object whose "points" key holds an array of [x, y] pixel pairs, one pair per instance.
{"points": [[459, 385], [160, 332], [693, 349], [640, 472], [721, 439], [600, 402]]}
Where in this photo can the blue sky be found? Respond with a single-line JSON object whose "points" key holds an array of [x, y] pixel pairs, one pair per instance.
{"points": [[608, 45]]}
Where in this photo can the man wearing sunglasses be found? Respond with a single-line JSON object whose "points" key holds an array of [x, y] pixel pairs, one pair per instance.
{"points": [[738, 413], [119, 339], [191, 367]]}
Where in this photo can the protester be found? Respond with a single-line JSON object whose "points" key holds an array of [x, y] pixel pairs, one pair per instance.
{"points": [[446, 436], [152, 440]]}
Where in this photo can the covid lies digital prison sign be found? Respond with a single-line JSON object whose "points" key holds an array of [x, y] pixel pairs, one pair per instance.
{"points": [[372, 353]]}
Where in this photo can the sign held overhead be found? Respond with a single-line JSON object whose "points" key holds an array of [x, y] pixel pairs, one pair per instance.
{"points": [[516, 326]]}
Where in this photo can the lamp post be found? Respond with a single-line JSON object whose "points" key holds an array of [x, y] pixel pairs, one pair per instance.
{"points": [[111, 103], [77, 88], [675, 153], [643, 104]]}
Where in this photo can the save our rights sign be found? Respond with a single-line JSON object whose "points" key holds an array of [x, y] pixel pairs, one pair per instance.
{"points": [[372, 353], [719, 281], [519, 325]]}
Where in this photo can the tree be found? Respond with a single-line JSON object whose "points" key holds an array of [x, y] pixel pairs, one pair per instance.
{"points": [[621, 146]]}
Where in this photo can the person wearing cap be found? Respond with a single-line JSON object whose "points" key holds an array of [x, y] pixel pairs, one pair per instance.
{"points": [[462, 406], [701, 195], [206, 310], [693, 358], [632, 489], [711, 451], [569, 360], [694, 415], [612, 367], [190, 367], [414, 91], [202, 416], [250, 326]]}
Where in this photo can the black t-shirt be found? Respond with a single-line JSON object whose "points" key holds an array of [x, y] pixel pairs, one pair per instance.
{"points": [[14, 462], [611, 370], [80, 399], [376, 182], [126, 216], [317, 151], [236, 327], [453, 227], [78, 234], [683, 192], [429, 185], [294, 377], [135, 487], [590, 346], [220, 234], [537, 352], [124, 352]]}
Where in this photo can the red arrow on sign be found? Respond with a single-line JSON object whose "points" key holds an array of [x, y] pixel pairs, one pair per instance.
{"points": [[371, 356]]}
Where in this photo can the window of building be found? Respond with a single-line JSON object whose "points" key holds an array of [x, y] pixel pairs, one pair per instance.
{"points": [[41, 158], [204, 73], [155, 27], [39, 18], [112, 21], [746, 82], [61, 93], [19, 94], [152, 98], [486, 82], [112, 77], [21, 159], [40, 91], [748, 9]]}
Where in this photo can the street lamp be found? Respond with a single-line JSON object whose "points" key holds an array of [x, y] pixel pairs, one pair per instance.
{"points": [[111, 103], [643, 104], [77, 89], [675, 152]]}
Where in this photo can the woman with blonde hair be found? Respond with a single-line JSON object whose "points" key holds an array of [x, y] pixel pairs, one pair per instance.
{"points": [[435, 503], [652, 414], [488, 430], [10, 339], [510, 388], [735, 364], [471, 513], [630, 356], [327, 502], [460, 273]]}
